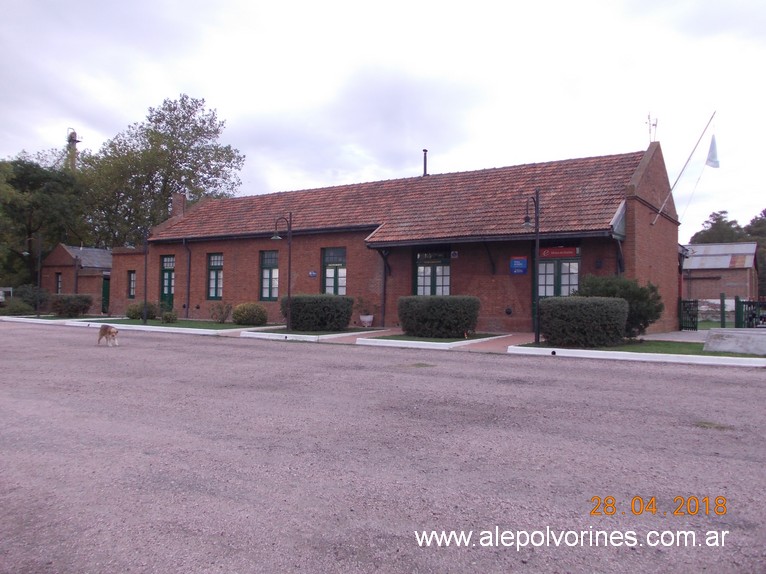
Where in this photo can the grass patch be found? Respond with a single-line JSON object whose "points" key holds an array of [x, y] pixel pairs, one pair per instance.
{"points": [[474, 337], [350, 331], [183, 323], [671, 348]]}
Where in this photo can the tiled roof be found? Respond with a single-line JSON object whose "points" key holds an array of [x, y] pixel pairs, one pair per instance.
{"points": [[576, 196], [91, 257]]}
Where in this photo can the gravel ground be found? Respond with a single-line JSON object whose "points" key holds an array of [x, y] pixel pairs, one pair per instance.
{"points": [[188, 454]]}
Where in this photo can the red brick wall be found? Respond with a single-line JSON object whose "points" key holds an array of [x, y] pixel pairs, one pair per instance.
{"points": [[710, 283], [651, 246], [471, 274]]}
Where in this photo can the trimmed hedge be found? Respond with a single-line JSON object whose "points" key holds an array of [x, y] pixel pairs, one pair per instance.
{"points": [[249, 314], [319, 312], [136, 311], [71, 305], [583, 321], [441, 317]]}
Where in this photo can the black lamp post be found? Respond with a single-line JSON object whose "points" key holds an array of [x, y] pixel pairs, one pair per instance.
{"points": [[289, 222], [145, 313], [535, 270]]}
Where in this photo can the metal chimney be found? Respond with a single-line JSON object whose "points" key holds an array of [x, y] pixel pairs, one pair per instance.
{"points": [[425, 162]]}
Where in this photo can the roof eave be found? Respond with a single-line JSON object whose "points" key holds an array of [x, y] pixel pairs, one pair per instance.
{"points": [[608, 233]]}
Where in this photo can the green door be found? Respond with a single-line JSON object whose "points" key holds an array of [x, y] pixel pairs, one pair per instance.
{"points": [[105, 295], [167, 281]]}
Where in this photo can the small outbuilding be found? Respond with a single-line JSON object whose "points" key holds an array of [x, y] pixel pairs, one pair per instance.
{"points": [[79, 270], [711, 270]]}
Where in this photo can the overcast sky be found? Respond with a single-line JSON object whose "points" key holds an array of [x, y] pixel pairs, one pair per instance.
{"points": [[319, 93]]}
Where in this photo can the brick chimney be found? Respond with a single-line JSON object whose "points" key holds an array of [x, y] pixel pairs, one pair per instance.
{"points": [[177, 204]]}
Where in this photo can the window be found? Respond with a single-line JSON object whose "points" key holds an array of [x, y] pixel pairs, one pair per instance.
{"points": [[269, 275], [58, 282], [334, 270], [558, 277], [215, 275], [432, 273], [131, 284]]}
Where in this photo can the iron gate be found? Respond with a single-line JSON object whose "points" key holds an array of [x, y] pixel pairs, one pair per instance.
{"points": [[687, 314]]}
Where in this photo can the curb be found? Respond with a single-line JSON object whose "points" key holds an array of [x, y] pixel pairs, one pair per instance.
{"points": [[646, 357]]}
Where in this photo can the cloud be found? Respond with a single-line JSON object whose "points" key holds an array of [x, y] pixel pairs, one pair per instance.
{"points": [[377, 125]]}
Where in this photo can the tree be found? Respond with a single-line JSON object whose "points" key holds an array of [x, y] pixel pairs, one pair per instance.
{"points": [[756, 229], [132, 179], [718, 229], [39, 207]]}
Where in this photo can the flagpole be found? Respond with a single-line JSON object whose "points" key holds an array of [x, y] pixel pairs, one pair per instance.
{"points": [[683, 169]]}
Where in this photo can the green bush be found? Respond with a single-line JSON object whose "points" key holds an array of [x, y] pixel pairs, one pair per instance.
{"points": [[220, 311], [249, 314], [31, 295], [583, 321], [319, 312], [71, 305], [136, 311], [438, 317], [169, 317], [644, 303], [15, 306]]}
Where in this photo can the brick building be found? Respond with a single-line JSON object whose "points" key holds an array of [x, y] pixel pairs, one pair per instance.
{"points": [[715, 268], [453, 234], [79, 270]]}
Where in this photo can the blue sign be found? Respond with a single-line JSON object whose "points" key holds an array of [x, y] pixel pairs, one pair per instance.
{"points": [[518, 265]]}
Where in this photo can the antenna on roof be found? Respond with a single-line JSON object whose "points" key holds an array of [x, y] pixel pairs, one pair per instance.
{"points": [[652, 125], [425, 162]]}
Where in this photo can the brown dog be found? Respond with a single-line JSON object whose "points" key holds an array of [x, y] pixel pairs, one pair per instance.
{"points": [[109, 333]]}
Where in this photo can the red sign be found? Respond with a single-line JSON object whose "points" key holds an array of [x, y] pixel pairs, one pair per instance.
{"points": [[559, 252]]}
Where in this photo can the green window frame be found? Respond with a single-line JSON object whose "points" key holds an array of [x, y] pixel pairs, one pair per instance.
{"points": [[558, 277], [432, 273], [269, 275], [131, 284], [215, 276], [334, 270]]}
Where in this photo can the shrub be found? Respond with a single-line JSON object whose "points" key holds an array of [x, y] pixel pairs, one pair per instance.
{"points": [[438, 317], [30, 294], [220, 311], [169, 317], [249, 314], [319, 312], [136, 311], [644, 303], [583, 321], [14, 306], [71, 305]]}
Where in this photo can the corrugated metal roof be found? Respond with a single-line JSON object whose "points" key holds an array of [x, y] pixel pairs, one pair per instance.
{"points": [[721, 255]]}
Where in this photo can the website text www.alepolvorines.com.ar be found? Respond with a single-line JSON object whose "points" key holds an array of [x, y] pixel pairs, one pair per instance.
{"points": [[557, 538]]}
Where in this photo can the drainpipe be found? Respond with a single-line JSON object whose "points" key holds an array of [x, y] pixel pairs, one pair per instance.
{"points": [[384, 253], [188, 277]]}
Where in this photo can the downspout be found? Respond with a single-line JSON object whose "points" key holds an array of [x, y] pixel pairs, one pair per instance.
{"points": [[620, 258], [384, 253], [188, 277]]}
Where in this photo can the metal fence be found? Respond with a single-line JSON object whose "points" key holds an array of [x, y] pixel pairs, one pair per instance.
{"points": [[749, 314], [687, 314]]}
